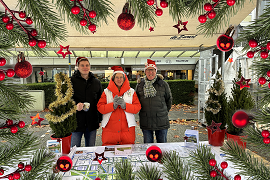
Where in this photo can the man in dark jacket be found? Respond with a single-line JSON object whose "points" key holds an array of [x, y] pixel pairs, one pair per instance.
{"points": [[156, 100], [87, 89]]}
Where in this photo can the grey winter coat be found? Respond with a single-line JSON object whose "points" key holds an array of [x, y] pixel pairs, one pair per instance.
{"points": [[154, 111]]}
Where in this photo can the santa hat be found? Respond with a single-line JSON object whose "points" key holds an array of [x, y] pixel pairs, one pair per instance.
{"points": [[150, 63], [79, 59], [117, 69]]}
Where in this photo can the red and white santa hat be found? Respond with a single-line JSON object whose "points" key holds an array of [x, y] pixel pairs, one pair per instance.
{"points": [[117, 69], [150, 63]]}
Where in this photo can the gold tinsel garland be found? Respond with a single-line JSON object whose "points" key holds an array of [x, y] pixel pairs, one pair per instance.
{"points": [[214, 111], [62, 101]]}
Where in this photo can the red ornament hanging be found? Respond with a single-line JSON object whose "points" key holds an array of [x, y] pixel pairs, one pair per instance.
{"points": [[34, 32], [212, 162], [20, 165], [150, 2], [250, 54], [2, 75], [240, 119], [202, 18], [264, 54], [230, 2], [92, 14], [265, 133], [14, 129], [208, 7], [212, 14], [262, 80], [75, 10], [23, 68], [92, 27], [64, 163], [159, 12], [10, 73], [126, 20], [268, 73], [22, 14], [21, 124], [153, 153], [32, 42], [5, 19], [225, 42], [28, 168], [253, 43], [213, 173], [28, 21], [224, 165], [83, 22], [3, 61], [1, 172], [237, 177], [266, 140], [9, 26], [268, 46], [163, 3], [42, 44], [9, 122], [16, 175]]}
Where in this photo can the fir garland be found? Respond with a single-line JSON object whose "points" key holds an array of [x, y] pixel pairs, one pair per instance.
{"points": [[221, 90]]}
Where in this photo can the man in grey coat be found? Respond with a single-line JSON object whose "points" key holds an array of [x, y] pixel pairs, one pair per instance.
{"points": [[156, 100]]}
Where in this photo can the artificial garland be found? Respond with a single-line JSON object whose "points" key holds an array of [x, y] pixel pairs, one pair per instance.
{"points": [[220, 91], [208, 108], [62, 101]]}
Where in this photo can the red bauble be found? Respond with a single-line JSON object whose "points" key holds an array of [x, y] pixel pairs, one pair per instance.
{"points": [[21, 124], [14, 129], [153, 153], [20, 165], [225, 43], [224, 165], [10, 73], [16, 175], [98, 178], [268, 85], [92, 27], [215, 0], [64, 163], [126, 21], [268, 45], [268, 73], [83, 22], [208, 7], [3, 61], [266, 140], [75, 10], [163, 3], [9, 26], [212, 14], [5, 19], [264, 54], [42, 44], [250, 54], [28, 21], [2, 75], [212, 162], [202, 18], [28, 167], [34, 32], [150, 2], [10, 177], [23, 69], [265, 133], [92, 14], [237, 177], [22, 14], [9, 122], [1, 172], [230, 2], [240, 119], [213, 173], [253, 43], [262, 80], [159, 12], [32, 42]]}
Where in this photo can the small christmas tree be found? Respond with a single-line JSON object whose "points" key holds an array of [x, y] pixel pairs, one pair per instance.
{"points": [[216, 106], [240, 100]]}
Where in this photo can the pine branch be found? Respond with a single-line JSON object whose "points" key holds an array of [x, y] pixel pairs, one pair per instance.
{"points": [[149, 172], [175, 168], [123, 170], [263, 115], [248, 165]]}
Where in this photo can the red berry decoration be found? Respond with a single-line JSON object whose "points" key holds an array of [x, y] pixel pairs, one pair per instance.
{"points": [[153, 153], [10, 73], [208, 7], [240, 119], [215, 0], [14, 129], [1, 172], [92, 14], [224, 165], [264, 54], [5, 19], [266, 140], [237, 177], [268, 45], [83, 22], [42, 44], [32, 42], [92, 27], [250, 54], [28, 21], [75, 10], [212, 162], [268, 73], [64, 163], [20, 165], [262, 80], [126, 21], [2, 75], [98, 178], [253, 43], [9, 26], [2, 61], [9, 122], [23, 69], [10, 177], [225, 43], [34, 32], [159, 12], [202, 18], [265, 133], [163, 4], [16, 175], [212, 14], [28, 167], [21, 124], [213, 173], [22, 14], [230, 2], [268, 85], [150, 2]]}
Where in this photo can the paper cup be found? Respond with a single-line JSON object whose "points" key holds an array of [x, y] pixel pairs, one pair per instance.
{"points": [[86, 106]]}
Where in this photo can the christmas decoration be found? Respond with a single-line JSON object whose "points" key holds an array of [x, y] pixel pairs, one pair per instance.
{"points": [[215, 127], [240, 119], [230, 2], [10, 73], [266, 140], [150, 2], [230, 60], [262, 80], [92, 27], [153, 154], [64, 163], [237, 177], [126, 20], [202, 18], [13, 127], [42, 44], [163, 3], [2, 61], [250, 54], [83, 22], [159, 12], [243, 83], [99, 157], [225, 42], [23, 68], [34, 118], [64, 53], [92, 14], [181, 23], [212, 14], [212, 162], [75, 9], [2, 75], [41, 73], [265, 133], [264, 50], [151, 29], [214, 173]]}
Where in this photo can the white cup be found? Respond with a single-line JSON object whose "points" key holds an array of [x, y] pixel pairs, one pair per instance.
{"points": [[86, 106]]}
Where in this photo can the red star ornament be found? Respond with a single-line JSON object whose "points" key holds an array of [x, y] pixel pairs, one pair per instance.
{"points": [[230, 60], [215, 127], [99, 157], [241, 83], [41, 73], [151, 29], [64, 53], [185, 138], [184, 26], [39, 119]]}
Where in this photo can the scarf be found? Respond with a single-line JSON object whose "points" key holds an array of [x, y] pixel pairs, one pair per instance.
{"points": [[148, 88]]}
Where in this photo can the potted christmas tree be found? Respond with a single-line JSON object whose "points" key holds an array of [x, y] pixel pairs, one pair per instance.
{"points": [[216, 112], [240, 100], [62, 118]]}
